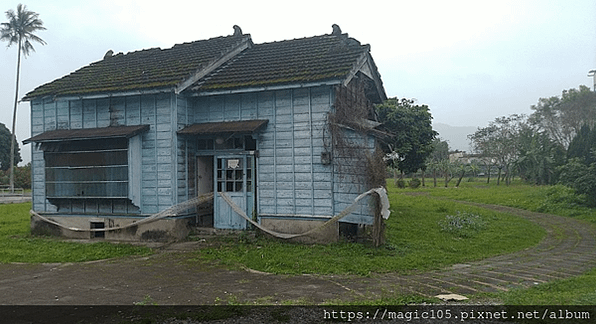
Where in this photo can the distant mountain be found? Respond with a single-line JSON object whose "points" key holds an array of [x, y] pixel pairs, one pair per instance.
{"points": [[456, 136]]}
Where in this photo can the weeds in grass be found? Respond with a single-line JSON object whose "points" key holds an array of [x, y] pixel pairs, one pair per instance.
{"points": [[229, 300], [147, 301], [387, 299], [463, 224]]}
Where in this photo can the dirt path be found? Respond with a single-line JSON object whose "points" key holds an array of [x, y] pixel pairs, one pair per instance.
{"points": [[168, 278]]}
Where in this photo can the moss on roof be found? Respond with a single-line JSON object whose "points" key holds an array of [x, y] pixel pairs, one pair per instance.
{"points": [[312, 59], [140, 70], [303, 60]]}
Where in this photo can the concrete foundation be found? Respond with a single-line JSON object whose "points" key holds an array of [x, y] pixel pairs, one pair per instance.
{"points": [[167, 229], [328, 234]]}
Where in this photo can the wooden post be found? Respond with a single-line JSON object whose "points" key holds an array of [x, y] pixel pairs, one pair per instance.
{"points": [[378, 234]]}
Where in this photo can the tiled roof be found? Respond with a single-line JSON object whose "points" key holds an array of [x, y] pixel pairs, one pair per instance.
{"points": [[141, 70], [303, 60]]}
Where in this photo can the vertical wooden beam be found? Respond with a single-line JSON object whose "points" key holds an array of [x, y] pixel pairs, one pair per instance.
{"points": [[174, 147], [293, 122], [378, 223], [312, 152], [275, 129]]}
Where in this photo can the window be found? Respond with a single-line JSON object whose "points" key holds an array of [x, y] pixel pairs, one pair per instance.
{"points": [[231, 174], [246, 143], [91, 168], [97, 225], [205, 144], [87, 169]]}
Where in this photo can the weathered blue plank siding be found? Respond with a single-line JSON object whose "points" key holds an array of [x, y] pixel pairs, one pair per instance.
{"points": [[181, 172], [38, 108], [291, 178], [160, 158]]}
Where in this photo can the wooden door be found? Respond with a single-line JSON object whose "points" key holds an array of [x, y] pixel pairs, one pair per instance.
{"points": [[234, 177]]}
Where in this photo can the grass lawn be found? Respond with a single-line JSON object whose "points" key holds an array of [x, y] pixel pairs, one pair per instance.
{"points": [[580, 290], [557, 200], [17, 244], [423, 233], [418, 239]]}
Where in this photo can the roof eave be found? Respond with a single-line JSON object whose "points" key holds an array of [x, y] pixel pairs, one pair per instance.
{"points": [[101, 95], [273, 87], [366, 65], [60, 135]]}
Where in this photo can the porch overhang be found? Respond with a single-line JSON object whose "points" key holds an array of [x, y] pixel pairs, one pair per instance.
{"points": [[241, 126], [59, 135]]}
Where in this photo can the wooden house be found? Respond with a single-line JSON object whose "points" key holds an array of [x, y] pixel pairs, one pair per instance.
{"points": [[284, 129]]}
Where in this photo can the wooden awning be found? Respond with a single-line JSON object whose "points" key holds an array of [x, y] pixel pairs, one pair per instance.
{"points": [[59, 135], [241, 126]]}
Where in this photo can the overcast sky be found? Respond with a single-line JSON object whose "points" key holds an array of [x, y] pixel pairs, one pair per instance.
{"points": [[469, 61]]}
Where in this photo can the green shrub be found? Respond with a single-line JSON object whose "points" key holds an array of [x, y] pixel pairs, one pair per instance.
{"points": [[415, 183], [558, 195], [400, 183], [560, 198], [580, 177], [22, 177]]}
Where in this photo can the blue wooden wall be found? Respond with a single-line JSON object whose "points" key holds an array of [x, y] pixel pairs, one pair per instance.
{"points": [[159, 157], [291, 178]]}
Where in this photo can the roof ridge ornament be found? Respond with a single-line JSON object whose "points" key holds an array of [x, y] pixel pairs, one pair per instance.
{"points": [[108, 54], [336, 30], [237, 30]]}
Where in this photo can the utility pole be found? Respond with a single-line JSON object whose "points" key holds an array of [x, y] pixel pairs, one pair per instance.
{"points": [[592, 73]]}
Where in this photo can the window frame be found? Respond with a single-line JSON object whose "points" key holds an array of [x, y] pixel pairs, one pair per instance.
{"points": [[93, 169]]}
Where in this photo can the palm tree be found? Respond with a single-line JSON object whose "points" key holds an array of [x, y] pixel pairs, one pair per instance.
{"points": [[20, 29]]}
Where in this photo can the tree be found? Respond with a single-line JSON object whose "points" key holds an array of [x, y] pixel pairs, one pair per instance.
{"points": [[461, 169], [538, 155], [20, 30], [474, 169], [579, 172], [413, 133], [562, 117], [583, 145], [5, 146], [447, 169], [434, 168], [580, 177], [440, 150], [497, 143]]}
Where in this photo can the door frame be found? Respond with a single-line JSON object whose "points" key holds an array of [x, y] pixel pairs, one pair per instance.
{"points": [[204, 184]]}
